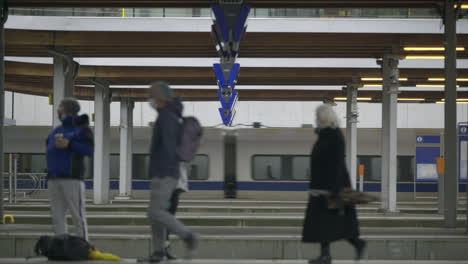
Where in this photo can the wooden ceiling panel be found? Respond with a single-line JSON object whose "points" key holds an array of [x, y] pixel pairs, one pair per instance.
{"points": [[199, 44]]}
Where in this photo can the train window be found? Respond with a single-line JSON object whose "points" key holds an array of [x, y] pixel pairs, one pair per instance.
{"points": [[267, 168], [406, 169], [198, 168], [281, 168], [373, 168], [301, 168]]}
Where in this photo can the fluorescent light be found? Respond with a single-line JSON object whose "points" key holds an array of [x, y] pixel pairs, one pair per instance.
{"points": [[430, 49], [372, 85], [370, 79], [418, 57], [359, 99], [433, 85], [443, 79], [411, 99], [458, 100], [441, 102]]}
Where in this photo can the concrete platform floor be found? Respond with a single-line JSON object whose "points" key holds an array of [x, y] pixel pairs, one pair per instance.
{"points": [[215, 261]]}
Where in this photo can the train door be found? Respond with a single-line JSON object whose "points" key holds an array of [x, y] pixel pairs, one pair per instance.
{"points": [[230, 175]]}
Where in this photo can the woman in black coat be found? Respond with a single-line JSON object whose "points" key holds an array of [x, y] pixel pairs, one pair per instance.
{"points": [[329, 174]]}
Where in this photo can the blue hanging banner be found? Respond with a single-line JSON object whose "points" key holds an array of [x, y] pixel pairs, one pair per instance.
{"points": [[229, 26], [226, 74], [227, 116], [228, 101]]}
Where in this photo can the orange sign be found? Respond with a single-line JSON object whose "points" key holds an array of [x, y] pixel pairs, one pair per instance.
{"points": [[441, 165], [361, 170]]}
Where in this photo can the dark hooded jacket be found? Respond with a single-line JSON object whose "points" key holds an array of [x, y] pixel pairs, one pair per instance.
{"points": [[69, 163], [164, 161]]}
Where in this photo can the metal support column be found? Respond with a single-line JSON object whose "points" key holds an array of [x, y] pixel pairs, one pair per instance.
{"points": [[101, 142], [3, 19], [451, 136], [65, 73], [126, 147], [351, 131], [389, 132]]}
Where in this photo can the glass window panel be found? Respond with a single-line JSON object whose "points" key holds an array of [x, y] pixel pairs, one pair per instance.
{"points": [[149, 12], [262, 12], [198, 168], [301, 168], [179, 12], [267, 167]]}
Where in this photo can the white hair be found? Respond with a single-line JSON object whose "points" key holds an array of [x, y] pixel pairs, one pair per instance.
{"points": [[327, 116]]}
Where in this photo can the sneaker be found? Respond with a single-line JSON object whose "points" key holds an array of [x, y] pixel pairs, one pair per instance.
{"points": [[321, 260], [169, 256], [156, 257], [191, 243], [360, 247]]}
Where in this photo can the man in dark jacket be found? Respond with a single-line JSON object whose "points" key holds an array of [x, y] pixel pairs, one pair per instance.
{"points": [[164, 171], [66, 147]]}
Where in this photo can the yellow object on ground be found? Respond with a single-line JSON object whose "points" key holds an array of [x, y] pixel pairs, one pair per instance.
{"points": [[12, 219], [98, 255]]}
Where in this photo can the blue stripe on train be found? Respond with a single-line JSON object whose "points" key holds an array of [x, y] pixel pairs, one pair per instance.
{"points": [[259, 186], [279, 186]]}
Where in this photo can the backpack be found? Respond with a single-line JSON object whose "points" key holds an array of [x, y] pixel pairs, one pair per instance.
{"points": [[63, 247], [190, 137]]}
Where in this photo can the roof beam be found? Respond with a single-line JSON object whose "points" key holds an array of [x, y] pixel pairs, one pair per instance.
{"points": [[207, 3]]}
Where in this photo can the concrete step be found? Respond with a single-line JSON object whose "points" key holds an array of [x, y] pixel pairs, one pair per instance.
{"points": [[240, 202], [261, 243], [409, 209], [240, 219]]}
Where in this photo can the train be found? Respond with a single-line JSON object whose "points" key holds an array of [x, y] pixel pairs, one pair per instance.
{"points": [[253, 163]]}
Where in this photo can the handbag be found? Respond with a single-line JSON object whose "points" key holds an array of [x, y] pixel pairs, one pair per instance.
{"points": [[348, 197]]}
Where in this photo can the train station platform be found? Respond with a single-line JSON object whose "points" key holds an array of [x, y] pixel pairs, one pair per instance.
{"points": [[256, 242]]}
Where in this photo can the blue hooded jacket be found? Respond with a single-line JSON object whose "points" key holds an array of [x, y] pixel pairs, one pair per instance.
{"points": [[69, 163]]}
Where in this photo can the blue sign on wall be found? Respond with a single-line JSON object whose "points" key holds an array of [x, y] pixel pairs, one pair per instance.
{"points": [[428, 139], [426, 168]]}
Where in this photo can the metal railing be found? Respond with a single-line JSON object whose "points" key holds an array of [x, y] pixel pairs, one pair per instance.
{"points": [[24, 183], [256, 12]]}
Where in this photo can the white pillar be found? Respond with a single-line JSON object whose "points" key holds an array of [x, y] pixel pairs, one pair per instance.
{"points": [[101, 143], [126, 147], [65, 71], [389, 132], [351, 131]]}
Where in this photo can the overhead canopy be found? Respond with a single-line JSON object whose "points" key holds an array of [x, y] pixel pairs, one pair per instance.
{"points": [[247, 95], [36, 43], [22, 72], [37, 79], [207, 3]]}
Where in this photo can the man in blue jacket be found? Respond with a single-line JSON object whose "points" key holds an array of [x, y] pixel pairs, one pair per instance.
{"points": [[67, 145], [164, 172]]}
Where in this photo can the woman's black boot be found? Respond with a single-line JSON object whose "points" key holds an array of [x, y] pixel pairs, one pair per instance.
{"points": [[359, 246]]}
